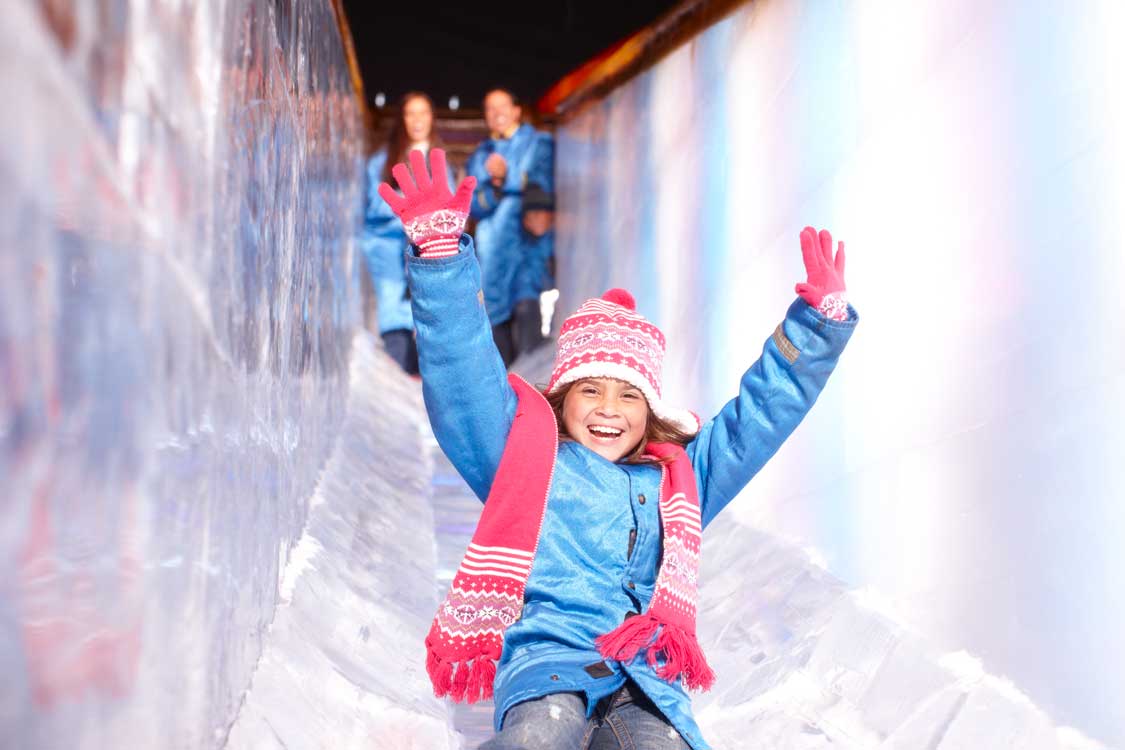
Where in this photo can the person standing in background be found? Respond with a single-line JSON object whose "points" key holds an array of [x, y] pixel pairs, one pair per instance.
{"points": [[503, 166], [383, 240], [535, 274]]}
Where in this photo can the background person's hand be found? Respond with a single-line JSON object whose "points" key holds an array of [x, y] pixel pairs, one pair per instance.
{"points": [[432, 216], [496, 167], [825, 289]]}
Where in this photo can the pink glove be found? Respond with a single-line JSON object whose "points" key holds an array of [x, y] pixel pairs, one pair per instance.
{"points": [[825, 289], [432, 216]]}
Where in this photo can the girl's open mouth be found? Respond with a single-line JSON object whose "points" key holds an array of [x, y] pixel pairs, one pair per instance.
{"points": [[602, 432]]}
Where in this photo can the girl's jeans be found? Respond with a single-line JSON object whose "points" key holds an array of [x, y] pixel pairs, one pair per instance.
{"points": [[624, 720]]}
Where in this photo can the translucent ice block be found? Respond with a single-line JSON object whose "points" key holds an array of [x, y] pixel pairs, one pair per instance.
{"points": [[179, 192]]}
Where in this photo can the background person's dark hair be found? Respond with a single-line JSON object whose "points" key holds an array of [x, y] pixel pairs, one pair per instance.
{"points": [[398, 142], [503, 90], [657, 430]]}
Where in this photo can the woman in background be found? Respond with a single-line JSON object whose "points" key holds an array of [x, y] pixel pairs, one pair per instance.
{"points": [[384, 241]]}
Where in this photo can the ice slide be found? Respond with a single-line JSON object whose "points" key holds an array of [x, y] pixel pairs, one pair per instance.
{"points": [[227, 527]]}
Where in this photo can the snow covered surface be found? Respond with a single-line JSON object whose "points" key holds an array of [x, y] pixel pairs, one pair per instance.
{"points": [[343, 662], [803, 662]]}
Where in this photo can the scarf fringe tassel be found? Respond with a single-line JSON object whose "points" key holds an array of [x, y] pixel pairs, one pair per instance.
{"points": [[464, 681], [683, 656]]}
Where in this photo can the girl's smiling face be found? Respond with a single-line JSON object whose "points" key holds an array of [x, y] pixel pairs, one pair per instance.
{"points": [[607, 416]]}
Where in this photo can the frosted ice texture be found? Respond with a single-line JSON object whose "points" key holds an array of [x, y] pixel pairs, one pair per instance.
{"points": [[803, 662], [344, 663], [179, 192]]}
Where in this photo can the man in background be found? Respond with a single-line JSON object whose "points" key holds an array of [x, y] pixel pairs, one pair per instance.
{"points": [[512, 157]]}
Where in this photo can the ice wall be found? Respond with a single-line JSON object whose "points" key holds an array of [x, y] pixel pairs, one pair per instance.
{"points": [[963, 465], [179, 185]]}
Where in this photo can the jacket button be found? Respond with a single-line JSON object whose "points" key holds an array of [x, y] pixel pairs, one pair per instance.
{"points": [[641, 499], [555, 677], [632, 585]]}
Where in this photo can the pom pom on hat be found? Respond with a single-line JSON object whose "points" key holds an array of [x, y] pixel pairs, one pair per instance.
{"points": [[620, 297]]}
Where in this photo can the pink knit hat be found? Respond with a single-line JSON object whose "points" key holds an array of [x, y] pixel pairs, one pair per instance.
{"points": [[607, 338]]}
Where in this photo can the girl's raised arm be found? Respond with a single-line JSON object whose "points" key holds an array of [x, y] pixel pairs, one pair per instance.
{"points": [[464, 381], [779, 389]]}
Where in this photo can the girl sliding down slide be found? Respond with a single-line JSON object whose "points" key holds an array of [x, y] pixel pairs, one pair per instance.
{"points": [[575, 605]]}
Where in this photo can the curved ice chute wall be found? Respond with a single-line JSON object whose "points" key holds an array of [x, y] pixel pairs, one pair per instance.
{"points": [[962, 464], [343, 665], [180, 188]]}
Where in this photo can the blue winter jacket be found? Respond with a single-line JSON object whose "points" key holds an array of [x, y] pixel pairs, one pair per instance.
{"points": [[541, 172], [498, 212], [383, 242], [599, 547], [534, 273]]}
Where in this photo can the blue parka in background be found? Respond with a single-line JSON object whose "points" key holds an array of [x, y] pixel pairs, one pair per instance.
{"points": [[542, 169], [498, 213], [600, 542], [383, 243], [533, 276]]}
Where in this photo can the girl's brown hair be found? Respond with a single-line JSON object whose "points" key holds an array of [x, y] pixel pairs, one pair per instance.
{"points": [[657, 429]]}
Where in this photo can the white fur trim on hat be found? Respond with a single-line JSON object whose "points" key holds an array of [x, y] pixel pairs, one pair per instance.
{"points": [[682, 418]]}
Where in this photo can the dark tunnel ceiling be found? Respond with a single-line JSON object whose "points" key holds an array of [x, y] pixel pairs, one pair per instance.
{"points": [[464, 49]]}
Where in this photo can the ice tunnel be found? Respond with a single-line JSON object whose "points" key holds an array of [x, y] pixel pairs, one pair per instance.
{"points": [[226, 524]]}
